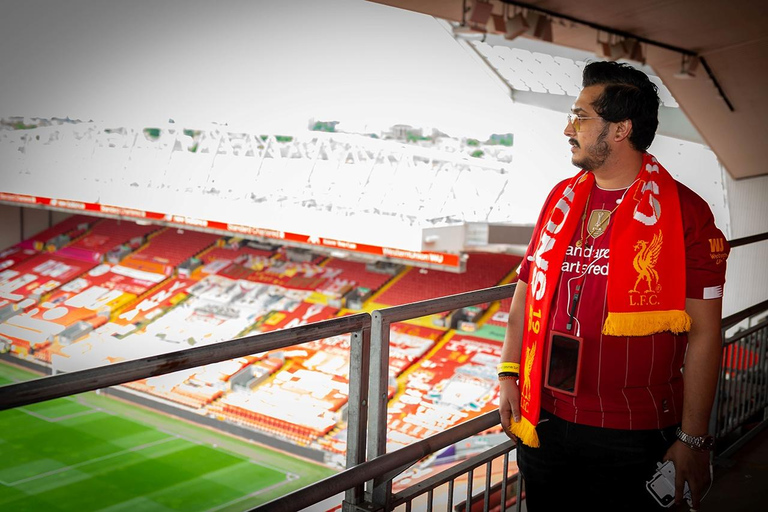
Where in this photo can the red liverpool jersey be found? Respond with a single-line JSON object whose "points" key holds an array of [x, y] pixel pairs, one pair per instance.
{"points": [[627, 382]]}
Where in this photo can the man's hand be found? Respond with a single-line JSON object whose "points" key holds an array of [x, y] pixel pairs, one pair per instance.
{"points": [[509, 394], [700, 372], [509, 405], [690, 466]]}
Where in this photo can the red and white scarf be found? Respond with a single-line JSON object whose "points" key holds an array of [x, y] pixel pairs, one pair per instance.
{"points": [[646, 281]]}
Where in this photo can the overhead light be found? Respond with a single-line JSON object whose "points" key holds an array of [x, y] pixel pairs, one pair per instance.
{"points": [[540, 26], [466, 32], [634, 50], [614, 50], [516, 26], [499, 23], [544, 29], [475, 27], [481, 13], [688, 67]]}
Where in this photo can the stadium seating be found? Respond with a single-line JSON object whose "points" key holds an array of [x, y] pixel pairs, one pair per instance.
{"points": [[483, 270], [140, 306], [105, 236], [70, 228], [501, 316], [169, 249], [356, 272]]}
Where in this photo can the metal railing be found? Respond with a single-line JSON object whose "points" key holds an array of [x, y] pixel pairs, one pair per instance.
{"points": [[427, 488], [380, 491], [742, 391], [368, 479], [385, 467], [746, 240], [742, 388], [358, 325], [367, 484]]}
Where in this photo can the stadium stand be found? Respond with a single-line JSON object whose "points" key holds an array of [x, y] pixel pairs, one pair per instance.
{"points": [[60, 234], [483, 270], [23, 287], [356, 272], [106, 236], [14, 255], [174, 288], [455, 383], [235, 253], [501, 315], [168, 249]]}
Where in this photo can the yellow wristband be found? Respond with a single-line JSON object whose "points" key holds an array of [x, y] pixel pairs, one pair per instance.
{"points": [[508, 367]]}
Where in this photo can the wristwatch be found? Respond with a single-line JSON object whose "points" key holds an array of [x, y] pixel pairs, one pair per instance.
{"points": [[700, 443]]}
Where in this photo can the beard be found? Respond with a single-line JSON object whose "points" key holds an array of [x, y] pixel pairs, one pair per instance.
{"points": [[597, 153]]}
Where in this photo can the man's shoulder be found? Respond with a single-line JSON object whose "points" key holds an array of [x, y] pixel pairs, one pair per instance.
{"points": [[694, 208], [559, 186], [686, 195], [552, 192], [698, 221]]}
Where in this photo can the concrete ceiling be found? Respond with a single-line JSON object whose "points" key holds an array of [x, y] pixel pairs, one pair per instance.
{"points": [[730, 36]]}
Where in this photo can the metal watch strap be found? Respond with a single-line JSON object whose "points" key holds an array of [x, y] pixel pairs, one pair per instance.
{"points": [[701, 443]]}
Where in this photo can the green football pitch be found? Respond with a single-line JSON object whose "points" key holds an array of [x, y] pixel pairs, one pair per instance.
{"points": [[91, 452]]}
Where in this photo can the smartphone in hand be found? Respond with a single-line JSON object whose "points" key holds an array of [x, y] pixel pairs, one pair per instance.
{"points": [[662, 485]]}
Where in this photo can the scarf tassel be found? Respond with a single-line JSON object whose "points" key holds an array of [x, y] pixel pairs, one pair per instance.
{"points": [[526, 432], [646, 323]]}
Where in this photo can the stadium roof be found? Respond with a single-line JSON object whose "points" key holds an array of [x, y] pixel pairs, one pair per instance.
{"points": [[724, 102], [335, 192], [549, 76]]}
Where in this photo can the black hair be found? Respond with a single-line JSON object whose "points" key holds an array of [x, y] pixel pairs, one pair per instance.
{"points": [[628, 94]]}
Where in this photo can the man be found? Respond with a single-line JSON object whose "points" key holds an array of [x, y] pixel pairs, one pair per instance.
{"points": [[613, 359]]}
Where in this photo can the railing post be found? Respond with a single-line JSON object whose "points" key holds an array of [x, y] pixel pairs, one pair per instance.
{"points": [[357, 408], [378, 397]]}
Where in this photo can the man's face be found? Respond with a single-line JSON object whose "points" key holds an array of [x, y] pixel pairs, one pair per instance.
{"points": [[589, 145]]}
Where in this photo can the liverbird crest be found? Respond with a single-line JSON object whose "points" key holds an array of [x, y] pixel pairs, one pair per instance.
{"points": [[645, 262]]}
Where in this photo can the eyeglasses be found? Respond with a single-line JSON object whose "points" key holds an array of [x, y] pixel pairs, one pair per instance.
{"points": [[575, 120]]}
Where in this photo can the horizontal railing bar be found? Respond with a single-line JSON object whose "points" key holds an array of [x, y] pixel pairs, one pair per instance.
{"points": [[451, 473], [447, 303], [737, 242], [65, 384], [391, 475], [383, 464], [735, 318], [746, 332]]}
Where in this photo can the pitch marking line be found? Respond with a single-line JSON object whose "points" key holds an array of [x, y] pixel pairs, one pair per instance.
{"points": [[289, 477], [57, 419], [90, 461]]}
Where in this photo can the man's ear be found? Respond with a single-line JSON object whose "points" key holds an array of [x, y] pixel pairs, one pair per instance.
{"points": [[623, 129]]}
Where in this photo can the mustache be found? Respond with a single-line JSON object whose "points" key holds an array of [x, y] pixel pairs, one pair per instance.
{"points": [[574, 142]]}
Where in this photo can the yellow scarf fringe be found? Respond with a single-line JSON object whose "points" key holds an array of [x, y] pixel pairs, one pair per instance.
{"points": [[526, 432], [646, 323]]}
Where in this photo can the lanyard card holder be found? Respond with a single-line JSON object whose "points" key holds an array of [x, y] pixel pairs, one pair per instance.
{"points": [[563, 363]]}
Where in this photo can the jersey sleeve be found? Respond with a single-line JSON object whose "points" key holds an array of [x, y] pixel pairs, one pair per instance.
{"points": [[706, 248]]}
